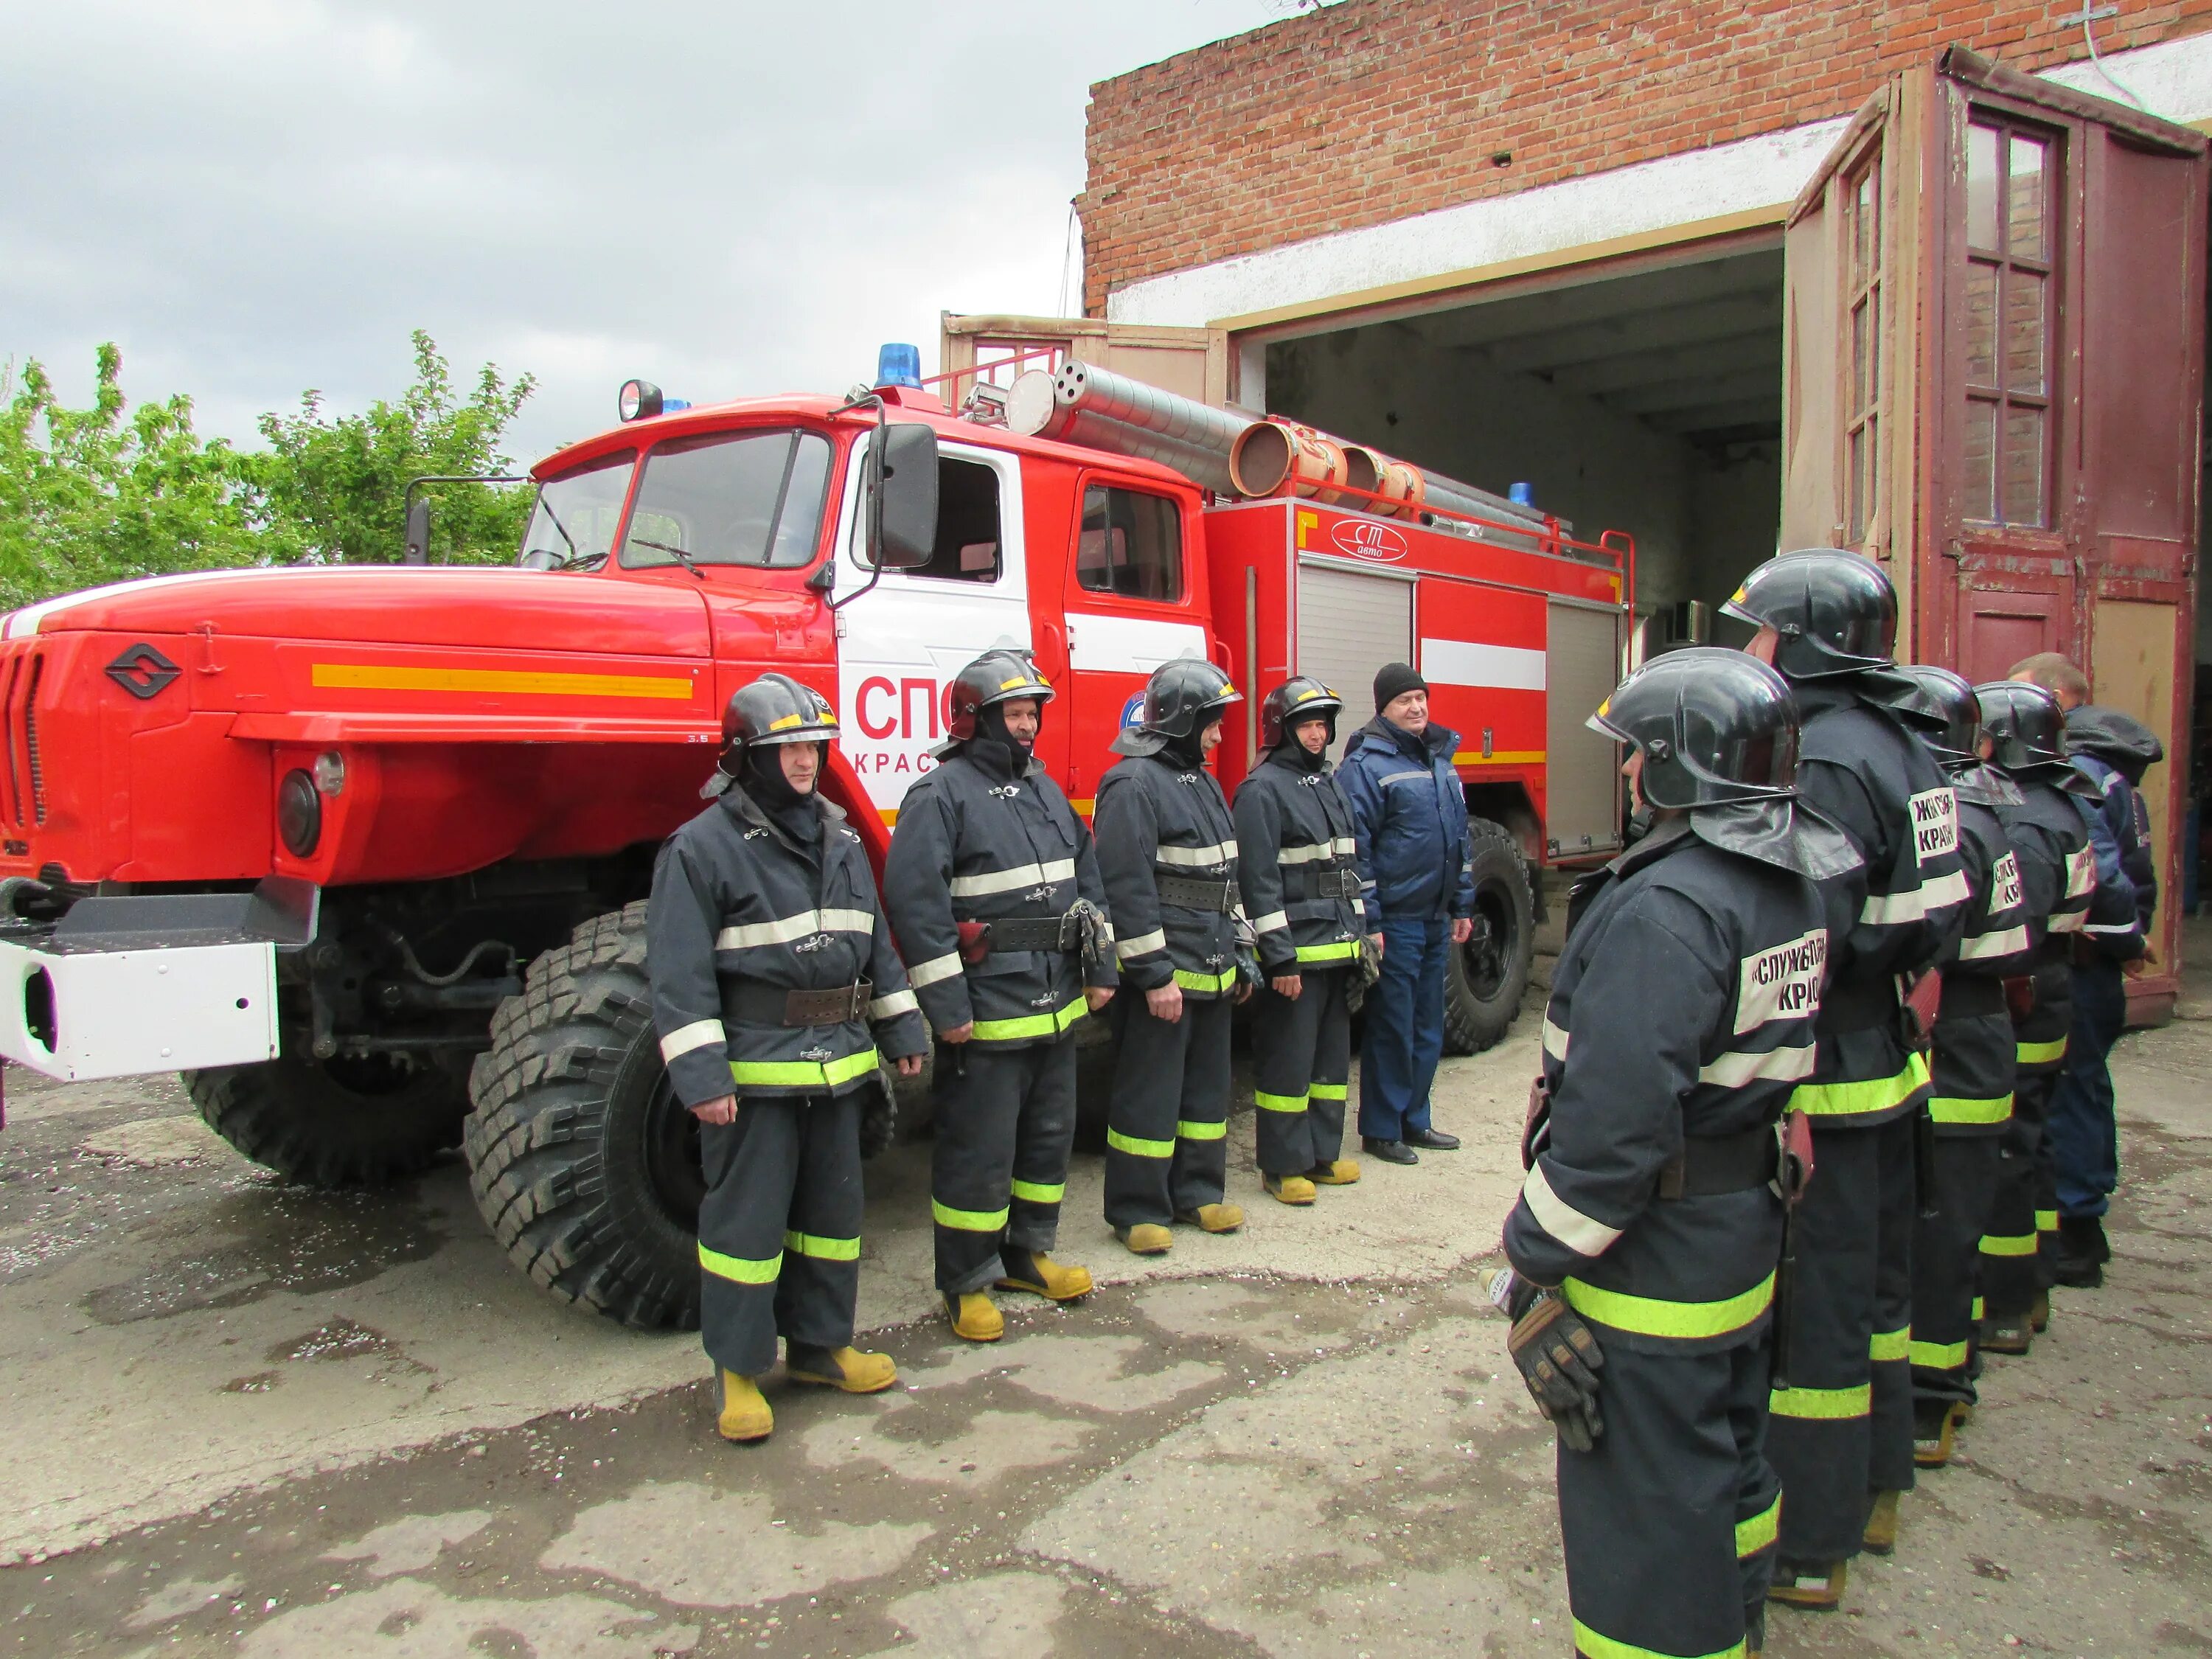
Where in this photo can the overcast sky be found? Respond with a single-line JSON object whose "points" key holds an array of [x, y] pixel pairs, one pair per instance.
{"points": [[254, 197]]}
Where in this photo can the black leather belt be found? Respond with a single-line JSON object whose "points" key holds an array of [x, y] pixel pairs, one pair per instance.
{"points": [[1858, 1005], [764, 1005], [1709, 1164], [1971, 997], [1335, 883], [1032, 934], [1186, 894]]}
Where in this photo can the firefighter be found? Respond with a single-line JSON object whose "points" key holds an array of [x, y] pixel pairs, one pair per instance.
{"points": [[2024, 734], [1168, 850], [1645, 1242], [769, 962], [2113, 750], [1970, 1101], [1301, 882], [1842, 1432], [993, 891]]}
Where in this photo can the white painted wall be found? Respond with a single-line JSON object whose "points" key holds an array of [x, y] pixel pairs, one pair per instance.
{"points": [[2175, 78]]}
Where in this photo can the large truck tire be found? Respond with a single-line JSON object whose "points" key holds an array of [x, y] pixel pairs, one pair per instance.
{"points": [[582, 1158], [363, 1121], [1485, 978]]}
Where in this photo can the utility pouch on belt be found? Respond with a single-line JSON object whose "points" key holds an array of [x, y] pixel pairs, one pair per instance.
{"points": [[1793, 1139], [1709, 1164], [974, 941], [763, 1005], [1535, 1128], [2019, 995], [1186, 894], [1793, 1173], [1920, 1000]]}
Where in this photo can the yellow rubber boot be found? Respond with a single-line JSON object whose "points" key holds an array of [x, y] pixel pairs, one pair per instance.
{"points": [[2038, 1313], [976, 1317], [1880, 1535], [1215, 1217], [1338, 1172], [848, 1368], [1145, 1238], [1035, 1271], [746, 1414], [1815, 1585], [1289, 1189]]}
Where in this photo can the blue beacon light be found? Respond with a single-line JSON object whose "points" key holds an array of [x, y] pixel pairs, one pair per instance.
{"points": [[898, 364]]}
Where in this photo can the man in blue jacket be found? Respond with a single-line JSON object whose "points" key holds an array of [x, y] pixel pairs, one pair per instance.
{"points": [[1409, 816]]}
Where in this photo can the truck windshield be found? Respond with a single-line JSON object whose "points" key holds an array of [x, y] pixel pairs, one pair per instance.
{"points": [[750, 498], [572, 525]]}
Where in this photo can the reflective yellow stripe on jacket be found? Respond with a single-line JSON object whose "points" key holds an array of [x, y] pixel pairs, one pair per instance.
{"points": [[1029, 1026], [1876, 1094], [1648, 1316], [803, 1074]]}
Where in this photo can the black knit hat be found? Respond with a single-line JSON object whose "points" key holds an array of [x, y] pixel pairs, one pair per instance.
{"points": [[1395, 679]]}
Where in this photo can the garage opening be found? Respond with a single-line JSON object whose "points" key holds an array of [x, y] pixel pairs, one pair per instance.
{"points": [[1647, 400]]}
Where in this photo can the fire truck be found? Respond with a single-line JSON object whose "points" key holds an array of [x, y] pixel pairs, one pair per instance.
{"points": [[362, 853]]}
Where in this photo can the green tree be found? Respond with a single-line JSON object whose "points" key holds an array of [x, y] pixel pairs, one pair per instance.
{"points": [[332, 489], [104, 493]]}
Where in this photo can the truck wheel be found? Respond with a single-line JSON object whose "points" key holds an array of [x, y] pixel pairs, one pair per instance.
{"points": [[580, 1156], [1486, 977], [357, 1121]]}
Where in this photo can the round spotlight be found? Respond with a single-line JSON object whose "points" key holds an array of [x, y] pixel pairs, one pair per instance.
{"points": [[299, 814], [638, 400], [329, 773]]}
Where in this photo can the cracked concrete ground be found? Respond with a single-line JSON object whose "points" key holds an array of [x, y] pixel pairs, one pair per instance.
{"points": [[249, 1420]]}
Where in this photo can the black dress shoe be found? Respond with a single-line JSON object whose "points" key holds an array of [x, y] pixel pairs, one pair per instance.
{"points": [[1390, 1151], [1435, 1141]]}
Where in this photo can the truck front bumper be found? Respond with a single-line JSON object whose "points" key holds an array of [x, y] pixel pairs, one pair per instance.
{"points": [[129, 984]]}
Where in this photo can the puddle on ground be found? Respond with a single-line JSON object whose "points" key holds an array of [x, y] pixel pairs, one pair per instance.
{"points": [[281, 1239]]}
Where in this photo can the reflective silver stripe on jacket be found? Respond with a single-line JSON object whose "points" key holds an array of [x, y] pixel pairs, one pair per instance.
{"points": [[2081, 873], [1273, 922], [898, 1002], [1019, 875], [1196, 857], [1888, 909], [698, 1034], [937, 968], [1736, 1069], [2007, 942], [1583, 1234], [2067, 921], [1385, 781], [1143, 945], [2110, 926], [1555, 1040], [791, 929], [1309, 852]]}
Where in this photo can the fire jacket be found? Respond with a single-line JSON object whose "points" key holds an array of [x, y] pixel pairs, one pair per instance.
{"points": [[2058, 871], [1409, 816], [1157, 820], [1298, 855], [1860, 769], [980, 839], [740, 913], [2118, 922], [1682, 1008], [1973, 1062]]}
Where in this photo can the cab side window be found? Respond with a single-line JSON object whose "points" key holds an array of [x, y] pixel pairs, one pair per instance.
{"points": [[969, 547], [1131, 544]]}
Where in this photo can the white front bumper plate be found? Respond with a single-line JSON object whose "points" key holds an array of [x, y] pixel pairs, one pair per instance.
{"points": [[84, 1014]]}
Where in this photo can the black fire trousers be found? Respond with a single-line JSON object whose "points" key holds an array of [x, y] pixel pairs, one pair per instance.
{"points": [[1945, 1264], [1843, 1428], [1303, 1045], [1166, 1127], [1668, 1523], [998, 1169], [779, 1229], [2019, 1247]]}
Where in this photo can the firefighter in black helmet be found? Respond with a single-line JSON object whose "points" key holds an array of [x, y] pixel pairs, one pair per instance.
{"points": [[1168, 849], [2024, 736], [1645, 1242], [1298, 865], [769, 963], [992, 889], [1842, 1432], [1971, 1103]]}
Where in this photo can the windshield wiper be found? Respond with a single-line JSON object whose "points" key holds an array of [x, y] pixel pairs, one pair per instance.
{"points": [[546, 507], [681, 557], [583, 561]]}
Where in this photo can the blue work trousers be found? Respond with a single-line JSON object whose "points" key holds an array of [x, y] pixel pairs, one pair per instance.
{"points": [[1405, 1036], [2085, 1139]]}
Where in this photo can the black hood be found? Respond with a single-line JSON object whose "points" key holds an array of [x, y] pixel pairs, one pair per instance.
{"points": [[2121, 741]]}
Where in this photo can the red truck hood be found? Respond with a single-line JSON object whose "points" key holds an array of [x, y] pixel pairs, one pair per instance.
{"points": [[434, 606]]}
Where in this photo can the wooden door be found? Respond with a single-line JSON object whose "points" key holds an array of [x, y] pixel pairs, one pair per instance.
{"points": [[1191, 361]]}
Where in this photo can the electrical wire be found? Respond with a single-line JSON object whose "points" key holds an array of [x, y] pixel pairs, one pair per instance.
{"points": [[2088, 35], [1071, 240]]}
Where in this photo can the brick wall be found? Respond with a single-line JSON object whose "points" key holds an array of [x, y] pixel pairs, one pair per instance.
{"points": [[1373, 110]]}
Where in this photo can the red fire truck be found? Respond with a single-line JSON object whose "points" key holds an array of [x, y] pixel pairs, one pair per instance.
{"points": [[334, 842]]}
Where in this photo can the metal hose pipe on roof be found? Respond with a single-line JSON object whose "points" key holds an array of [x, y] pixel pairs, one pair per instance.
{"points": [[1085, 405]]}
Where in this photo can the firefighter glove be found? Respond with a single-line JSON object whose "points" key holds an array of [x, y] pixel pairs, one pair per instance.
{"points": [[1559, 1359], [879, 1118]]}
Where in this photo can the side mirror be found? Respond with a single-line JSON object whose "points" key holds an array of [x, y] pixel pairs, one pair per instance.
{"points": [[418, 532], [902, 496]]}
